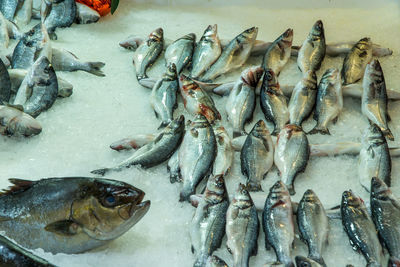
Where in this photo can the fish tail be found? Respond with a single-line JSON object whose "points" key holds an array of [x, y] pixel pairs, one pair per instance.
{"points": [[95, 68], [388, 134], [320, 130], [394, 262], [101, 172]]}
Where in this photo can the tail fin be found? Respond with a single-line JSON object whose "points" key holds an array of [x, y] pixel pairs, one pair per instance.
{"points": [[146, 82], [394, 262], [388, 134], [185, 195], [101, 172], [320, 130], [95, 68]]}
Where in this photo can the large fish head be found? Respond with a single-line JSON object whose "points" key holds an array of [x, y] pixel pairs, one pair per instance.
{"points": [[176, 126], [252, 76], [287, 38], [24, 124], [242, 197], [105, 209], [351, 200], [156, 36], [317, 31], [270, 80], [278, 194], [211, 33], [379, 189], [170, 73], [215, 189], [374, 68], [373, 135], [306, 262], [260, 130], [310, 197], [248, 36], [363, 45]]}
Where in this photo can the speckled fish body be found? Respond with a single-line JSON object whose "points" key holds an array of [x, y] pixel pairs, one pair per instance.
{"points": [[86, 15], [356, 60], [14, 122], [9, 7], [5, 84], [57, 13], [223, 159], [180, 52], [278, 53]]}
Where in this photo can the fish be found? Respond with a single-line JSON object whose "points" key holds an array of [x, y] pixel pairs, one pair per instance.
{"points": [[385, 212], [242, 227], [85, 15], [24, 13], [277, 223], [233, 56], [329, 102], [196, 155], [206, 52], [360, 229], [133, 142], [8, 8], [374, 159], [14, 122], [57, 13], [292, 152], [224, 158], [241, 101], [39, 89], [180, 52], [312, 52], [173, 168], [302, 100], [215, 261], [356, 60], [8, 30], [163, 97], [155, 152], [148, 52], [313, 225], [374, 98], [273, 102], [257, 156], [278, 53], [69, 214], [5, 84], [208, 224], [306, 262], [196, 100]]}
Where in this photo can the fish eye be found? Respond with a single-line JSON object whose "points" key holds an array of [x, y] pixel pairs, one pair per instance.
{"points": [[110, 200]]}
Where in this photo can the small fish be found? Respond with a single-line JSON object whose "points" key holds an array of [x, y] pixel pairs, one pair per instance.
{"points": [[356, 60], [329, 101], [163, 96], [241, 101], [223, 159], [14, 122], [134, 142], [273, 102], [233, 56], [206, 52], [5, 84], [360, 229], [208, 224], [374, 159], [302, 100], [306, 262], [57, 13], [86, 15], [215, 261], [277, 218], [180, 52], [313, 225], [8, 8], [278, 53], [291, 154], [242, 227], [173, 168], [312, 52], [374, 98], [257, 156]]}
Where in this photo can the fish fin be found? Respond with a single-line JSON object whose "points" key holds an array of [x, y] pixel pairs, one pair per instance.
{"points": [[320, 130], [195, 199], [19, 186], [388, 134], [95, 68], [101, 172], [275, 132], [63, 227]]}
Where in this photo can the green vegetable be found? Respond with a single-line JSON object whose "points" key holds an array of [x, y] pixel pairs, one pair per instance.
{"points": [[114, 5]]}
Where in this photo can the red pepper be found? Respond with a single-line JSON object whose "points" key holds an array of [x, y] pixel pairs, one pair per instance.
{"points": [[101, 6]]}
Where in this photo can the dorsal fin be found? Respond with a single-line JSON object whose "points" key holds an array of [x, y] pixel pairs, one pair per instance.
{"points": [[19, 186]]}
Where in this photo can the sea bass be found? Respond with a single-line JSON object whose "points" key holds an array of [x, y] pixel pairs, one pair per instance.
{"points": [[14, 122], [57, 13], [180, 52], [223, 159], [278, 53], [356, 60]]}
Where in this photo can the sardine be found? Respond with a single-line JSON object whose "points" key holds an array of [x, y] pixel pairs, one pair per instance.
{"points": [[356, 60], [24, 13], [71, 214], [374, 98], [215, 261], [312, 52], [9, 7], [278, 224], [57, 13], [278, 53], [14, 122], [208, 224], [173, 168], [180, 52], [86, 15], [291, 154], [223, 159], [133, 142], [242, 227], [306, 262], [257, 156], [5, 84], [273, 102], [329, 101]]}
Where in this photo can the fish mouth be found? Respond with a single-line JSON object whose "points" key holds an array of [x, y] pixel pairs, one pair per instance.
{"points": [[134, 210]]}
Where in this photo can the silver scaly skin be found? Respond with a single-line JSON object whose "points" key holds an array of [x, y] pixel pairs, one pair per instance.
{"points": [[8, 8], [374, 99], [356, 60], [306, 262], [180, 52], [14, 122], [223, 159], [57, 13]]}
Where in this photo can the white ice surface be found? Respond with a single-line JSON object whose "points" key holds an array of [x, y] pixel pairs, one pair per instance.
{"points": [[78, 130]]}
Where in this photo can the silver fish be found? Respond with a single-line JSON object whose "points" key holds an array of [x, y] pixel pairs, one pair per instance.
{"points": [[8, 30], [206, 52], [257, 156], [9, 7], [208, 224], [278, 53], [173, 168], [241, 101], [214, 261], [291, 154], [233, 56], [312, 52], [180, 52], [329, 101], [24, 13], [356, 60], [14, 122], [242, 227], [57, 13], [5, 84], [223, 159], [306, 262], [374, 160], [278, 224], [374, 98], [86, 15]]}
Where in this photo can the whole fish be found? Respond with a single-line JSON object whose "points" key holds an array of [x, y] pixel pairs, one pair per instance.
{"points": [[360, 229], [374, 160], [273, 102], [329, 101], [173, 168], [306, 262], [86, 15], [214, 261], [155, 152], [180, 52], [14, 122], [147, 53], [233, 56], [312, 52], [5, 84], [208, 224], [257, 156], [278, 224], [313, 225], [69, 215], [242, 227], [24, 13], [356, 60], [39, 89], [302, 100], [9, 7], [374, 98], [196, 155], [291, 154], [57, 13], [206, 52], [163, 96], [196, 100], [385, 210], [223, 159], [278, 53], [241, 101]]}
